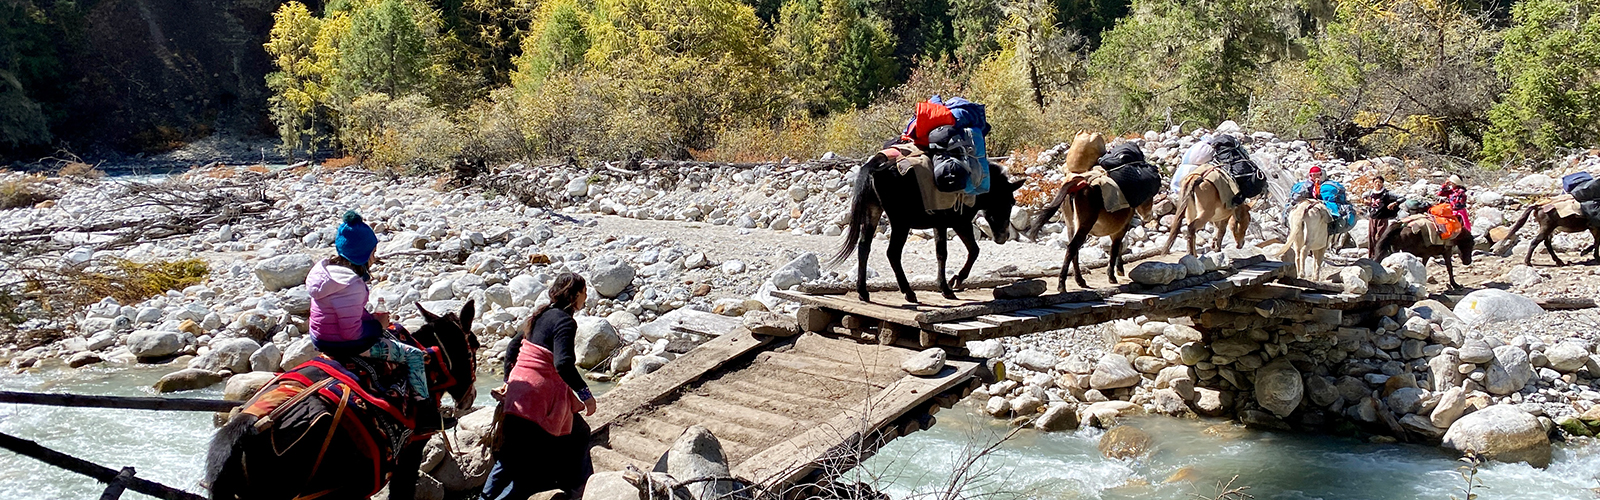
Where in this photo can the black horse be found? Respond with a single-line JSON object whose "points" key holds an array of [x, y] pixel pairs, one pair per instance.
{"points": [[880, 190], [330, 447]]}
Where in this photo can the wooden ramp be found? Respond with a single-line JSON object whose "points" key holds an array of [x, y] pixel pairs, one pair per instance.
{"points": [[976, 315], [783, 409]]}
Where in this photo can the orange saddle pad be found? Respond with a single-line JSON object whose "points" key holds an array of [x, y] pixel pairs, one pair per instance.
{"points": [[1445, 220]]}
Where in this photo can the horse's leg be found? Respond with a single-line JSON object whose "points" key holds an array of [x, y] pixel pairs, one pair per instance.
{"points": [[1450, 269], [864, 253], [1188, 233], [403, 482], [1548, 234], [1240, 227], [1086, 220], [897, 242], [941, 249], [968, 238], [1594, 248], [1316, 263], [1116, 255]]}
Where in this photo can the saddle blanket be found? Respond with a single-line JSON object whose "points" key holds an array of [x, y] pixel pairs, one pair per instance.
{"points": [[1126, 186], [1565, 205], [1439, 230], [1110, 193], [1217, 176], [909, 159]]}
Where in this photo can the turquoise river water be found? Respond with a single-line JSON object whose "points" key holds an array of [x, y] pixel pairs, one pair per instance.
{"points": [[169, 447]]}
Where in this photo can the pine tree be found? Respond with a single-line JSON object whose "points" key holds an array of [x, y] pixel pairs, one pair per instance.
{"points": [[385, 50]]}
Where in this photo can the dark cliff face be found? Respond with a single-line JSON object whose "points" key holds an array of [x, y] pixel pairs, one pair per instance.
{"points": [[146, 76]]}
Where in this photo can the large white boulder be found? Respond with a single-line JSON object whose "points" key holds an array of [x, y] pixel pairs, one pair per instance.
{"points": [[1279, 387], [610, 279], [147, 344], [1509, 371], [1501, 432], [1408, 266], [596, 339], [285, 271], [698, 454], [1113, 371], [1492, 306], [232, 354]]}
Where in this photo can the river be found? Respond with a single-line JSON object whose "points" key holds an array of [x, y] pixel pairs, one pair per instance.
{"points": [[169, 447]]}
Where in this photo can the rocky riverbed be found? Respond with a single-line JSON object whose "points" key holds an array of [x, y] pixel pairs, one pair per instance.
{"points": [[672, 250]]}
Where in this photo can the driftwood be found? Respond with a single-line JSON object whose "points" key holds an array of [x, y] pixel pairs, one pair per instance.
{"points": [[1565, 303], [147, 211], [122, 402], [116, 480]]}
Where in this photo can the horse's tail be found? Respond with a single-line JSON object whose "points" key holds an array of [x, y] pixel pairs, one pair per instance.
{"points": [[223, 463], [1049, 211], [862, 199], [1526, 213], [1297, 231], [1180, 217]]}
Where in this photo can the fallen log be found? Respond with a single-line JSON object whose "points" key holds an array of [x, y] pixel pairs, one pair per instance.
{"points": [[1565, 303], [120, 402]]}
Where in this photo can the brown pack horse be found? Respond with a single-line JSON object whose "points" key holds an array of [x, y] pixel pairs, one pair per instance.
{"points": [[1087, 214], [324, 447], [1413, 237], [1201, 203], [1551, 221]]}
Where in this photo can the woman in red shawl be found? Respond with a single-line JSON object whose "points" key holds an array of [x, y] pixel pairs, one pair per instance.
{"points": [[1453, 193], [546, 443]]}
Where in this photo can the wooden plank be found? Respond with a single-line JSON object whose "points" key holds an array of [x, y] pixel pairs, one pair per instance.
{"points": [[657, 386], [833, 441], [983, 281], [905, 315]]}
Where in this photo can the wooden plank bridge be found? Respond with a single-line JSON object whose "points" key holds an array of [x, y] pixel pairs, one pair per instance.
{"points": [[789, 411]]}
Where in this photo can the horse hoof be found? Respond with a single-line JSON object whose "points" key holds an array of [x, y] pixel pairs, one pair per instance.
{"points": [[865, 298], [949, 295], [911, 297], [1083, 284]]}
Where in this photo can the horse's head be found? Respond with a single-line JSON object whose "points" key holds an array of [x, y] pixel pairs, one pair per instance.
{"points": [[998, 203], [452, 334]]}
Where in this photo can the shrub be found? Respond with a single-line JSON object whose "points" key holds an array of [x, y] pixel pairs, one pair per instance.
{"points": [[81, 170], [69, 289], [21, 191], [402, 135]]}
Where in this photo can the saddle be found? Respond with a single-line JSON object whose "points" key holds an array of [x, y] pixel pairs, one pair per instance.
{"points": [[367, 398], [1127, 185], [1439, 223], [908, 159], [1227, 188]]}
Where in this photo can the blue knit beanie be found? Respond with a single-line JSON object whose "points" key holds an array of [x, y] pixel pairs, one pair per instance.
{"points": [[356, 240]]}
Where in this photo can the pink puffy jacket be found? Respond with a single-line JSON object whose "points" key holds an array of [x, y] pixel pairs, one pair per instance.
{"points": [[338, 303]]}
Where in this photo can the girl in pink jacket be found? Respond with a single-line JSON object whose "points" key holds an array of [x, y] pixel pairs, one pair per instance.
{"points": [[340, 324]]}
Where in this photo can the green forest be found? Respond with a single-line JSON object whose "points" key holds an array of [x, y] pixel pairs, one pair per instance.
{"points": [[420, 84]]}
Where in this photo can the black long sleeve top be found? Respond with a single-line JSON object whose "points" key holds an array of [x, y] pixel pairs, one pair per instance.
{"points": [[554, 329]]}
